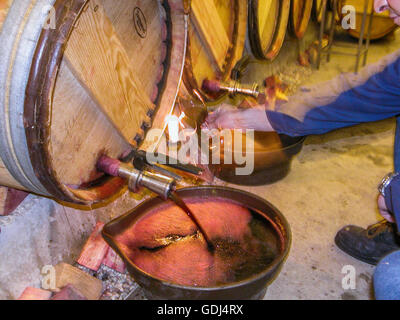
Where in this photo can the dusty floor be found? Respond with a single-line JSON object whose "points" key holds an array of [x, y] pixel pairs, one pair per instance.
{"points": [[332, 183]]}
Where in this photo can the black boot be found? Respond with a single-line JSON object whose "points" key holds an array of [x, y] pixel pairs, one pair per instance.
{"points": [[368, 245]]}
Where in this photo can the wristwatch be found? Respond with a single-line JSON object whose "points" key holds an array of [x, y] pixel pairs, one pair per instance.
{"points": [[386, 181]]}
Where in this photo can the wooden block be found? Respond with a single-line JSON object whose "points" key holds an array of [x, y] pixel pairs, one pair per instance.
{"points": [[10, 199], [88, 286], [69, 293], [35, 294], [95, 249], [114, 261]]}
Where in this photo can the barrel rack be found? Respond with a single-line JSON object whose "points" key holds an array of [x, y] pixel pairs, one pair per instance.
{"points": [[362, 47]]}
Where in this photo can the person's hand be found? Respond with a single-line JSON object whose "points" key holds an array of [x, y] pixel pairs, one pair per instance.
{"points": [[229, 117], [383, 210]]}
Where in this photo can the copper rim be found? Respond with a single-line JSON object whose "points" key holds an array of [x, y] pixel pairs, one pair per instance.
{"points": [[256, 283]]}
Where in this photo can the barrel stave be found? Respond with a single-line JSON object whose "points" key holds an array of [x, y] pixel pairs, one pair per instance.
{"points": [[55, 130]]}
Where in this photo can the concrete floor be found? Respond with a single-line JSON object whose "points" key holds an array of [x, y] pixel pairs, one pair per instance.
{"points": [[332, 183]]}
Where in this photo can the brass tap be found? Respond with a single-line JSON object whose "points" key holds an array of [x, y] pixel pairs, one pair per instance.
{"points": [[161, 185]]}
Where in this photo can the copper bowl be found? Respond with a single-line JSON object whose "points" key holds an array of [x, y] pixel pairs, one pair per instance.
{"points": [[252, 288], [272, 156]]}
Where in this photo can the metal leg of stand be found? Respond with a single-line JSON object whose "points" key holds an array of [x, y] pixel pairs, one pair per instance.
{"points": [[332, 30], [371, 19], [321, 32], [365, 35], [361, 41]]}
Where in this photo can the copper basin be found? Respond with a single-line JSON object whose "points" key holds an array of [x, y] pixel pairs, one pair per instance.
{"points": [[272, 156], [253, 287]]}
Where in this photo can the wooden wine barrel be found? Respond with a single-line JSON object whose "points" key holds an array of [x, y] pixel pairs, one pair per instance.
{"points": [[382, 25], [300, 16], [217, 34], [267, 27], [80, 79]]}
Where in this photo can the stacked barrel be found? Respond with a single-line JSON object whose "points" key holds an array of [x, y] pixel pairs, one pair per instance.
{"points": [[218, 36]]}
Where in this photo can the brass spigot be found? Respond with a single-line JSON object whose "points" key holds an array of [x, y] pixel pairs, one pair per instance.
{"points": [[232, 88], [159, 184]]}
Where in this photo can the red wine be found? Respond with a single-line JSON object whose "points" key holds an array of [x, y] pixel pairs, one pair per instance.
{"points": [[165, 243], [181, 204]]}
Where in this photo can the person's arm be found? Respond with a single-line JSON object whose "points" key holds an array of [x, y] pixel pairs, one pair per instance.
{"points": [[350, 99]]}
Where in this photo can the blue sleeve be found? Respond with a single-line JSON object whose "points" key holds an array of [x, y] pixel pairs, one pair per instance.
{"points": [[348, 100]]}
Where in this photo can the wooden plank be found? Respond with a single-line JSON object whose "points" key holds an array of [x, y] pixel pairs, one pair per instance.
{"points": [[94, 250], [99, 61], [35, 294], [211, 29], [114, 261], [87, 285]]}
